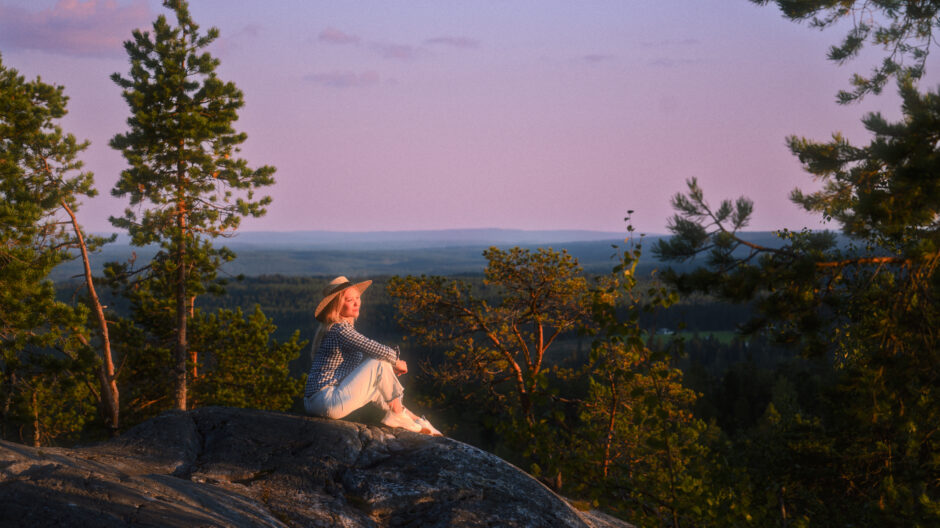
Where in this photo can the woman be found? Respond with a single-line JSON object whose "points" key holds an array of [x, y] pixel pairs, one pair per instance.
{"points": [[350, 370]]}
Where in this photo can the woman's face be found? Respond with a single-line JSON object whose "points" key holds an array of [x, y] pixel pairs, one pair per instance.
{"points": [[350, 306]]}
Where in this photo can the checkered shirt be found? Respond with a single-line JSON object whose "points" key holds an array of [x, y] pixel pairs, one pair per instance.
{"points": [[341, 351]]}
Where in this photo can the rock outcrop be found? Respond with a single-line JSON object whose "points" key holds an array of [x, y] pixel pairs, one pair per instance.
{"points": [[235, 467]]}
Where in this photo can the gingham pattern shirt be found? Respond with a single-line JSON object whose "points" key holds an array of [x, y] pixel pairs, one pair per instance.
{"points": [[340, 352]]}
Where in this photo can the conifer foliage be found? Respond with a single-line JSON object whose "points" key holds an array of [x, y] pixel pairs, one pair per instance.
{"points": [[185, 183], [639, 450], [46, 353], [904, 29], [243, 366], [869, 308]]}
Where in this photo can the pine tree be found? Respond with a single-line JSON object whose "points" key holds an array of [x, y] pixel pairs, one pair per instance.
{"points": [[870, 307], [185, 184], [44, 342]]}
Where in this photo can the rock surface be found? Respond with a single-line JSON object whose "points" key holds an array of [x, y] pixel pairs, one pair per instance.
{"points": [[234, 467]]}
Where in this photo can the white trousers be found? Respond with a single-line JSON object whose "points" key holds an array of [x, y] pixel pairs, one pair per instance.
{"points": [[372, 381]]}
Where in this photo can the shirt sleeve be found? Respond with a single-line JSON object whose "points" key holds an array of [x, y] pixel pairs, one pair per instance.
{"points": [[348, 337]]}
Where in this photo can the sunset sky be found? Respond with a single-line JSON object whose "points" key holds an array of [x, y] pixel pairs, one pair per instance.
{"points": [[436, 114]]}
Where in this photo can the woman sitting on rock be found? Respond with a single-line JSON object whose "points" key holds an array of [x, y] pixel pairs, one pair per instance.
{"points": [[350, 370]]}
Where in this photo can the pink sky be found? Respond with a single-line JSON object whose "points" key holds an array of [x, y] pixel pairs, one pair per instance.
{"points": [[536, 114]]}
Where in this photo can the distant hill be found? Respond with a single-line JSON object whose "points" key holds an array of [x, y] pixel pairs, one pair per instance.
{"points": [[372, 240], [443, 252]]}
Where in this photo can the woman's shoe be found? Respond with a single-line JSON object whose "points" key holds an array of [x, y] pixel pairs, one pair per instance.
{"points": [[402, 420], [426, 426]]}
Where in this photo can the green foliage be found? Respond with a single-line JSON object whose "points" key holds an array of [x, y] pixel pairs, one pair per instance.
{"points": [[870, 310], [239, 364], [497, 341], [903, 28], [42, 340], [181, 142], [614, 427], [144, 342], [640, 451], [233, 359], [882, 193], [33, 151], [47, 398], [185, 184]]}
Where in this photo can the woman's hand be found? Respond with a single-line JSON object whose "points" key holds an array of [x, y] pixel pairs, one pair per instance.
{"points": [[400, 367]]}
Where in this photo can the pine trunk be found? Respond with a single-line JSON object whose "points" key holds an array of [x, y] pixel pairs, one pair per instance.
{"points": [[193, 354], [110, 398], [181, 296], [181, 321], [35, 409]]}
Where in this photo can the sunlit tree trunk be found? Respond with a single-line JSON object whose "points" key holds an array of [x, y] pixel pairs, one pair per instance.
{"points": [[181, 297], [110, 397], [193, 353]]}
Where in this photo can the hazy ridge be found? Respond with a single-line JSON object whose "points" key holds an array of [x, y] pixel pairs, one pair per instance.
{"points": [[444, 252]]}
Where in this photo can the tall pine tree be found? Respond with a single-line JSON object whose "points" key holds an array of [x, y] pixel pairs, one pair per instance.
{"points": [[185, 184]]}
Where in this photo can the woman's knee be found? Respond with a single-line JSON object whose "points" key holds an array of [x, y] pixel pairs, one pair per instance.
{"points": [[322, 405], [335, 413]]}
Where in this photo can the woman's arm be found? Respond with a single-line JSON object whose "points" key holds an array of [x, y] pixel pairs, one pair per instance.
{"points": [[349, 338]]}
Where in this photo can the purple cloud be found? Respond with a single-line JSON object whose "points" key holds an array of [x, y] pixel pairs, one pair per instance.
{"points": [[344, 79], [456, 42], [334, 36], [672, 63], [73, 27], [395, 51], [670, 43], [595, 58]]}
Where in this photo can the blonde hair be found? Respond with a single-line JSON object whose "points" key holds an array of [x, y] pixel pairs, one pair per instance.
{"points": [[328, 317]]}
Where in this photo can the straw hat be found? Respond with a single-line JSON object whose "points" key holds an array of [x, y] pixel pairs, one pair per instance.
{"points": [[334, 288]]}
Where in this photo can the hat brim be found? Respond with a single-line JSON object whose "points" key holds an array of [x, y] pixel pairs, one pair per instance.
{"points": [[361, 286]]}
